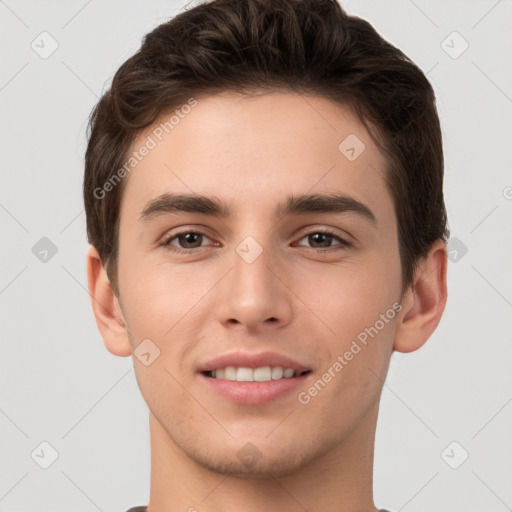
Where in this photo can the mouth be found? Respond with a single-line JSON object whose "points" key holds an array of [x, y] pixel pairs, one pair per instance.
{"points": [[247, 378]]}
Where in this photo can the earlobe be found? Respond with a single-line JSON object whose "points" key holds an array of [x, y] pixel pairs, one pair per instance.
{"points": [[106, 307], [424, 303]]}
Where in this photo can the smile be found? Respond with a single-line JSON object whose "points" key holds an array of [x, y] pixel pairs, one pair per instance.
{"points": [[261, 374]]}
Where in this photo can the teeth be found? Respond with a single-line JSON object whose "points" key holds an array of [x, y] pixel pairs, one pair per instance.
{"points": [[244, 375], [261, 374], [277, 373], [288, 373], [230, 373]]}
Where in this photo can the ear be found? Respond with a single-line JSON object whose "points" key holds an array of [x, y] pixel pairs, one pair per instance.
{"points": [[424, 302], [106, 307]]}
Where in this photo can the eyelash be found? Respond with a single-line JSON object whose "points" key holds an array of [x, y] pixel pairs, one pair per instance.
{"points": [[167, 241]]}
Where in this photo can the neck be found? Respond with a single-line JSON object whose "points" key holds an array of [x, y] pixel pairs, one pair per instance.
{"points": [[339, 480]]}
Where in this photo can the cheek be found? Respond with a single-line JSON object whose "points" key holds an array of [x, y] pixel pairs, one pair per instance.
{"points": [[355, 301], [350, 296], [155, 295]]}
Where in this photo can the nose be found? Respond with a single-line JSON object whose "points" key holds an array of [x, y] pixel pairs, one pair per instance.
{"points": [[254, 295]]}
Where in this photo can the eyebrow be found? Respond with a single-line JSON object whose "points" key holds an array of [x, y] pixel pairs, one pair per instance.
{"points": [[294, 205]]}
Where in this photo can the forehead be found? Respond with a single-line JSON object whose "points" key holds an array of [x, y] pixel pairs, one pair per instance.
{"points": [[254, 150]]}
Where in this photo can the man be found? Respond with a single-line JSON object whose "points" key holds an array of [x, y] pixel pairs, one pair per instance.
{"points": [[263, 189]]}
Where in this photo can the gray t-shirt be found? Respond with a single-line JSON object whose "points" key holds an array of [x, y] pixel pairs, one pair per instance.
{"points": [[142, 508]]}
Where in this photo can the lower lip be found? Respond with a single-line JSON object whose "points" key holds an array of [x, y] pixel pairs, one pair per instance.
{"points": [[254, 393]]}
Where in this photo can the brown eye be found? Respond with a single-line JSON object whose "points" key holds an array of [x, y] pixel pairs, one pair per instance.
{"points": [[322, 239], [187, 241]]}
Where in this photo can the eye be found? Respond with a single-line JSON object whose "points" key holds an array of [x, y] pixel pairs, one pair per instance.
{"points": [[186, 242], [324, 237], [189, 239]]}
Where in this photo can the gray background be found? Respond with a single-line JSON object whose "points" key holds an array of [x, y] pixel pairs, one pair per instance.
{"points": [[60, 385]]}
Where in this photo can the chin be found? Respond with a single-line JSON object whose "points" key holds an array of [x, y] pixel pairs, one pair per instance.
{"points": [[254, 464]]}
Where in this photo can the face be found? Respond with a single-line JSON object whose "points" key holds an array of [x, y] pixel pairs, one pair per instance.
{"points": [[311, 285]]}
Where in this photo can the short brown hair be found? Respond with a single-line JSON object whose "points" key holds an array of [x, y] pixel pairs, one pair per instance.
{"points": [[305, 46]]}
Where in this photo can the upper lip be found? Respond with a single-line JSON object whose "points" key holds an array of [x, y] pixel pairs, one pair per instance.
{"points": [[251, 360]]}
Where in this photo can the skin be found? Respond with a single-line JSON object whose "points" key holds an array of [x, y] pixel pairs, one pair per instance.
{"points": [[252, 152]]}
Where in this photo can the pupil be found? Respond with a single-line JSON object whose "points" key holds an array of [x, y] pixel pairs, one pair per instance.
{"points": [[186, 238], [316, 235]]}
